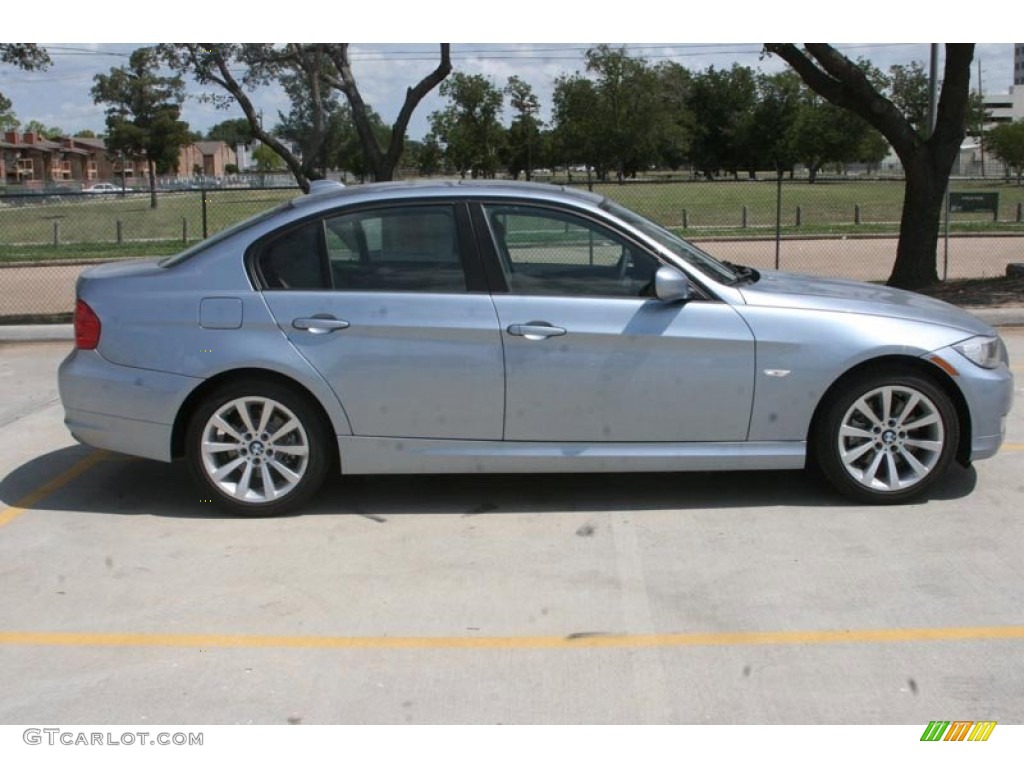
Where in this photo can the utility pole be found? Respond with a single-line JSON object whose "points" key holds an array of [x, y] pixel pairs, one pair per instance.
{"points": [[933, 88], [981, 121]]}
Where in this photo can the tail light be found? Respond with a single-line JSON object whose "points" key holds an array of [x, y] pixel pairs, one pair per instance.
{"points": [[87, 326]]}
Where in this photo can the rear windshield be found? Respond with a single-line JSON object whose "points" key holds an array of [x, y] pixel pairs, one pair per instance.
{"points": [[223, 235]]}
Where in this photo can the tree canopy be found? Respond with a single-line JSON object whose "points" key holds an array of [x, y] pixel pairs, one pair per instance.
{"points": [[143, 110]]}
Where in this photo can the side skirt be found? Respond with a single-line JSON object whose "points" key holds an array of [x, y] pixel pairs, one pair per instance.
{"points": [[388, 455]]}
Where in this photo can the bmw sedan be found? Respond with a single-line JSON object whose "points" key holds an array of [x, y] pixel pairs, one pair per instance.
{"points": [[500, 327]]}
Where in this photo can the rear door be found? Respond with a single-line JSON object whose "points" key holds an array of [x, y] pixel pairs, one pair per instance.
{"points": [[388, 304]]}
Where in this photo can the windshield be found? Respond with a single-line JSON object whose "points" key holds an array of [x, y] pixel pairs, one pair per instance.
{"points": [[224, 234], [703, 261]]}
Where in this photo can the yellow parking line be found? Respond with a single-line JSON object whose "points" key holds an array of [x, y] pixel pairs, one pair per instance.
{"points": [[1012, 447], [526, 642], [22, 504]]}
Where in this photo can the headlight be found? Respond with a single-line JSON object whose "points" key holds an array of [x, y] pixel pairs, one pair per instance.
{"points": [[986, 351]]}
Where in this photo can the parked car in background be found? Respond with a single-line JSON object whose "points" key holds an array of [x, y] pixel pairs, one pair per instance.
{"points": [[102, 189], [503, 327]]}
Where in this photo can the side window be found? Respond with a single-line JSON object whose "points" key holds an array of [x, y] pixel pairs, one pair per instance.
{"points": [[411, 248], [551, 253], [293, 260]]}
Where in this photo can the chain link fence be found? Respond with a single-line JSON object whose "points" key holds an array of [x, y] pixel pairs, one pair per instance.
{"points": [[844, 228]]}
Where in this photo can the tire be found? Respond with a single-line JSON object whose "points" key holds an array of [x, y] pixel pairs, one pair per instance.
{"points": [[886, 437], [258, 449]]}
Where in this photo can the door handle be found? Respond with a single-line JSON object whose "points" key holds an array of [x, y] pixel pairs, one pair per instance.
{"points": [[319, 324], [535, 331]]}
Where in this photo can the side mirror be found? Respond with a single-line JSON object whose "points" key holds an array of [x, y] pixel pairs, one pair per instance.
{"points": [[671, 285]]}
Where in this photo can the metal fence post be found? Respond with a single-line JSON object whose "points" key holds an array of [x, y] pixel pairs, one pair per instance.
{"points": [[799, 215], [686, 218], [744, 217], [1020, 212], [120, 232], [206, 229], [778, 216], [56, 233], [184, 230], [856, 214]]}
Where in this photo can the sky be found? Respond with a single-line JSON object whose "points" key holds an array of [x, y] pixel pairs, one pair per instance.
{"points": [[60, 96]]}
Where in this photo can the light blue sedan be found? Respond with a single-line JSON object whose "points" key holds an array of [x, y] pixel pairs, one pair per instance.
{"points": [[501, 327]]}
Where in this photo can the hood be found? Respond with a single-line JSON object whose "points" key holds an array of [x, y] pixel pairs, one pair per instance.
{"points": [[795, 291]]}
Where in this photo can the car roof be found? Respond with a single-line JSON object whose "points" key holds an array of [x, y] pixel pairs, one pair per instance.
{"points": [[382, 191]]}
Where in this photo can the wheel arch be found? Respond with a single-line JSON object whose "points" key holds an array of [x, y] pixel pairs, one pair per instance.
{"points": [[199, 394], [932, 372]]}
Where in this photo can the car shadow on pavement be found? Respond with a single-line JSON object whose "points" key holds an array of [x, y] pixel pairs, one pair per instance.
{"points": [[123, 485]]}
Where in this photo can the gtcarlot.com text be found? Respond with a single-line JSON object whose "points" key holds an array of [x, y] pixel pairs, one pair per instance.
{"points": [[55, 736]]}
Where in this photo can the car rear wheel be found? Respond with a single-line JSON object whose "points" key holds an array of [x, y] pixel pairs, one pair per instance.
{"points": [[260, 449], [887, 437]]}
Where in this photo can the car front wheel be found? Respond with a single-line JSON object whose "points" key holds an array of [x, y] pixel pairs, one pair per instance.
{"points": [[259, 449], [887, 437]]}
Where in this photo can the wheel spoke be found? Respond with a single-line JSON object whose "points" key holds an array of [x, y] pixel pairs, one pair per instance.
{"points": [[269, 489], [872, 471], [211, 446], [909, 408], [849, 431], [284, 429], [291, 450], [863, 406], [851, 456], [218, 422], [242, 408], [227, 469], [894, 475], [927, 445], [886, 404], [268, 410], [924, 421], [915, 465], [242, 489], [285, 471]]}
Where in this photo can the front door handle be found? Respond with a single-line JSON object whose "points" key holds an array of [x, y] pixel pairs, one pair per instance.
{"points": [[536, 330], [319, 324]]}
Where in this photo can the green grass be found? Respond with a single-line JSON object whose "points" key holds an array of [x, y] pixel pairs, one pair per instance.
{"points": [[87, 228]]}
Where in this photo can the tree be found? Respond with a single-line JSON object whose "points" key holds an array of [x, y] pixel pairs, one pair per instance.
{"points": [[240, 68], [767, 134], [142, 114], [8, 120], [468, 127], [1006, 141], [524, 133], [85, 133], [231, 132], [927, 162], [36, 127], [721, 100], [27, 56], [267, 159], [576, 122], [674, 82]]}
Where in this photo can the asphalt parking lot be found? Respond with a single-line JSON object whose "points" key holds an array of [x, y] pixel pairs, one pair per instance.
{"points": [[705, 598]]}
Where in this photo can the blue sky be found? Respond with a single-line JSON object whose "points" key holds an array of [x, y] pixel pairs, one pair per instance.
{"points": [[60, 96]]}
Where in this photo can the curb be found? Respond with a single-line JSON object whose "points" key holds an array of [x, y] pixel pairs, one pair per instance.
{"points": [[998, 318]]}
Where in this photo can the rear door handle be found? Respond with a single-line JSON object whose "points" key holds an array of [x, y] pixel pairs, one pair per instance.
{"points": [[535, 331], [319, 324]]}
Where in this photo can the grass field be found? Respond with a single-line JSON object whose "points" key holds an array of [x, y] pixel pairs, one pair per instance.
{"points": [[88, 228]]}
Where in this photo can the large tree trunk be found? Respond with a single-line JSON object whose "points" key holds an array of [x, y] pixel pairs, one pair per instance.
{"points": [[919, 225]]}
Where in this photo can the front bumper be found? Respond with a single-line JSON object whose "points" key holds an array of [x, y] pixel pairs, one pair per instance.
{"points": [[989, 397], [128, 410]]}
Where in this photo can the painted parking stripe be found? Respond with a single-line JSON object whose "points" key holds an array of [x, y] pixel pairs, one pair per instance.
{"points": [[1012, 447], [23, 504], [513, 642]]}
